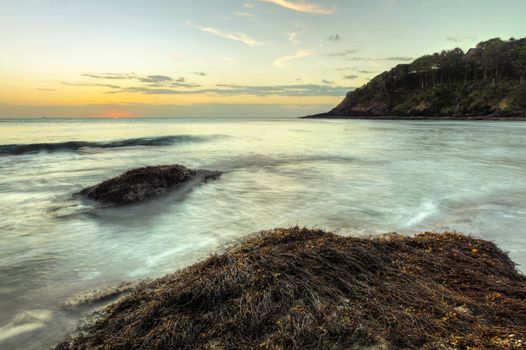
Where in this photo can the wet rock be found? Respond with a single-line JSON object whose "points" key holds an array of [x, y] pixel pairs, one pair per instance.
{"points": [[143, 183]]}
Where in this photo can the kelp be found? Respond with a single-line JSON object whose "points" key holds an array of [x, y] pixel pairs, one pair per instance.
{"points": [[143, 183], [298, 288]]}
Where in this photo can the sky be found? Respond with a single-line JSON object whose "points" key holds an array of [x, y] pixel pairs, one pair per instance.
{"points": [[175, 58]]}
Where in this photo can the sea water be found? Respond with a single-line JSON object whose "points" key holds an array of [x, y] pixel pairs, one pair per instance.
{"points": [[353, 177]]}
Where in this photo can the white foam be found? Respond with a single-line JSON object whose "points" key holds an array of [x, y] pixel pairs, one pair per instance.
{"points": [[427, 209], [25, 322]]}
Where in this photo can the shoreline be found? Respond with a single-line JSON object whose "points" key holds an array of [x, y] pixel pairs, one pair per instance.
{"points": [[433, 118]]}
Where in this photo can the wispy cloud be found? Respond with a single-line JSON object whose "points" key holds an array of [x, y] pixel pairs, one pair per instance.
{"points": [[243, 38], [245, 14], [233, 89], [397, 58], [111, 76], [325, 81], [342, 53], [293, 38], [201, 74], [366, 59], [334, 37], [364, 71], [459, 39], [155, 79], [348, 55], [303, 6], [150, 82], [46, 89], [111, 86], [185, 85], [281, 61], [350, 77]]}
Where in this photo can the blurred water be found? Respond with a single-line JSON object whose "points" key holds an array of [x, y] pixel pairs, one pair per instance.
{"points": [[348, 176]]}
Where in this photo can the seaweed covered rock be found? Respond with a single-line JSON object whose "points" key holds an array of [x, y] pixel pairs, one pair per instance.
{"points": [[143, 183], [307, 289]]}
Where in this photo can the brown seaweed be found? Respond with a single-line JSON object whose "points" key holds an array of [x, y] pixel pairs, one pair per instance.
{"points": [[143, 183], [307, 289]]}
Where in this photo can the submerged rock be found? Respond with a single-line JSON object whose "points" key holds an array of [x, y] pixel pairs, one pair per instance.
{"points": [[307, 289], [143, 183]]}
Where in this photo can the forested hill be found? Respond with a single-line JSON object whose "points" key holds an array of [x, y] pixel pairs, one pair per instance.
{"points": [[486, 82]]}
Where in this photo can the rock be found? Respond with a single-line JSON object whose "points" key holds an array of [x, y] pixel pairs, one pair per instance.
{"points": [[143, 183]]}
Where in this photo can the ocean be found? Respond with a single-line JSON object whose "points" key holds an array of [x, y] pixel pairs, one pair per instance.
{"points": [[352, 177]]}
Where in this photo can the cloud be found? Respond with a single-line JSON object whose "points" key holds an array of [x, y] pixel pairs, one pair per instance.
{"points": [[293, 38], [303, 6], [347, 55], [201, 74], [155, 79], [334, 37], [46, 89], [111, 76], [281, 61], [233, 89], [341, 53], [248, 5], [350, 77], [325, 81], [111, 86], [245, 14], [459, 39], [363, 71], [243, 38], [151, 83], [185, 85], [398, 59], [404, 59]]}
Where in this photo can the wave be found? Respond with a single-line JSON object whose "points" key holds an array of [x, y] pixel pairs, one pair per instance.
{"points": [[19, 149]]}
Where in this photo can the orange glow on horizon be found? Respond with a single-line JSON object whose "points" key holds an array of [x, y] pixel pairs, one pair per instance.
{"points": [[117, 114]]}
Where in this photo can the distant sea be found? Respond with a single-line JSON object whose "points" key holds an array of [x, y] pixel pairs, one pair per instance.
{"points": [[353, 177]]}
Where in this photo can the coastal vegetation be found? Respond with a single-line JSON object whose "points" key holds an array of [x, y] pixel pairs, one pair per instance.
{"points": [[298, 288], [488, 81]]}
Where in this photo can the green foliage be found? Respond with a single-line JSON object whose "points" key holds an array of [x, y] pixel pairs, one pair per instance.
{"points": [[488, 79]]}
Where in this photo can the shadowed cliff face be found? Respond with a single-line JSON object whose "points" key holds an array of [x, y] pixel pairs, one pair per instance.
{"points": [[487, 82], [307, 289]]}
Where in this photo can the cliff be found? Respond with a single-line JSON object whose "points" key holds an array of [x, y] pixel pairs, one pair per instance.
{"points": [[487, 82]]}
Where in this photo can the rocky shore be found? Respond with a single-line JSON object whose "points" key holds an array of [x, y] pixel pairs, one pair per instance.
{"points": [[308, 289]]}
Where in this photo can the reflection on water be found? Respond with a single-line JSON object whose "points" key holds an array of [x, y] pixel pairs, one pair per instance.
{"points": [[352, 177]]}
